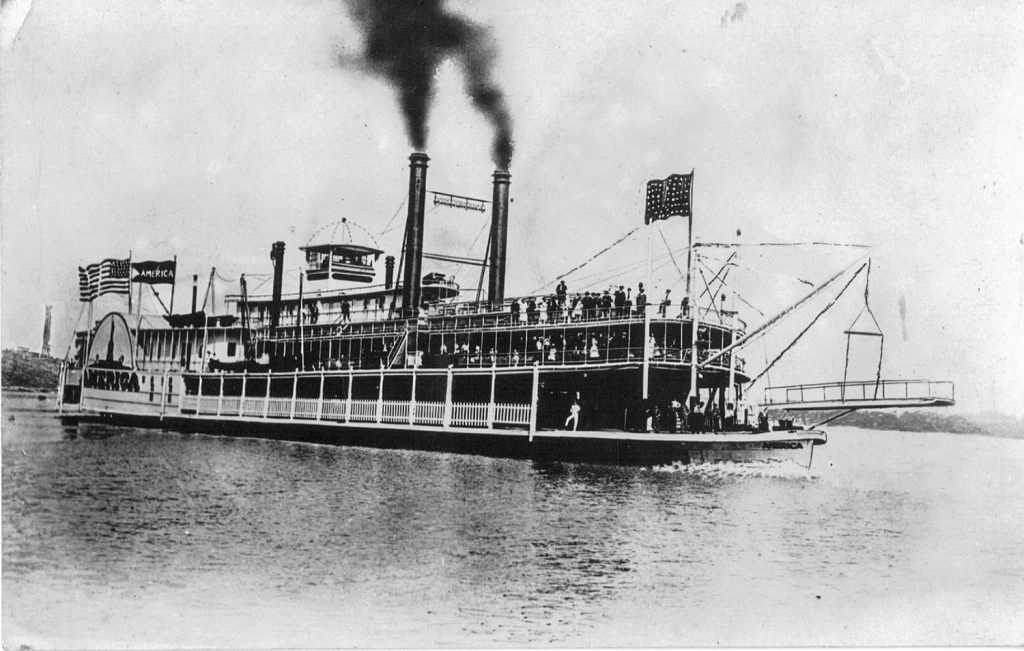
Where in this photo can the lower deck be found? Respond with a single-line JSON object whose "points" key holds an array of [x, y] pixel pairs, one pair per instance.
{"points": [[499, 412]]}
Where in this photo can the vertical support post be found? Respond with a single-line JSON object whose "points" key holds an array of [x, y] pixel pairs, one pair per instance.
{"points": [[348, 400], [490, 405], [181, 395], [320, 398], [199, 395], [380, 397], [241, 399], [534, 394], [295, 390], [220, 394], [412, 397], [694, 326], [446, 419], [163, 395], [266, 399]]}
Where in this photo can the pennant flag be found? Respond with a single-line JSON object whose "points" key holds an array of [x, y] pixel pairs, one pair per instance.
{"points": [[669, 198], [154, 272], [107, 277]]}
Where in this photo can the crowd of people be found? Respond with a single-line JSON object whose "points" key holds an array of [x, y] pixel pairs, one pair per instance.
{"points": [[612, 303]]}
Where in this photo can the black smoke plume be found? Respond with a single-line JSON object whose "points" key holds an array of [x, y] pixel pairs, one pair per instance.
{"points": [[405, 42]]}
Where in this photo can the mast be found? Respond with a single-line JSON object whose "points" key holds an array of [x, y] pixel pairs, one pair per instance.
{"points": [[691, 300]]}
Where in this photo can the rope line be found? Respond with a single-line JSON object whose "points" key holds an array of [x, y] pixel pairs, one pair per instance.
{"points": [[804, 331]]}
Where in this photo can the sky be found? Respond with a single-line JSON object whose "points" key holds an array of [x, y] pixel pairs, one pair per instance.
{"points": [[208, 130]]}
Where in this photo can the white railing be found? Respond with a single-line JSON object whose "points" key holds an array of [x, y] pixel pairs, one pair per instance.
{"points": [[860, 391], [333, 409], [363, 411], [429, 413], [305, 407], [279, 407], [229, 405], [473, 414], [189, 402], [207, 405], [395, 411], [512, 414], [252, 406]]}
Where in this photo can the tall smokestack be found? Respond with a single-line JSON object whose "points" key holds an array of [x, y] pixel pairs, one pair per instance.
{"points": [[414, 233], [499, 238], [277, 256], [389, 272], [195, 291]]}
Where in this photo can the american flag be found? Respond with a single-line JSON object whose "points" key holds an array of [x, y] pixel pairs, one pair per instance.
{"points": [[669, 197], [108, 277]]}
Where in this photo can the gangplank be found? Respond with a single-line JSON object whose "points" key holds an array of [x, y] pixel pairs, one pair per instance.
{"points": [[861, 395]]}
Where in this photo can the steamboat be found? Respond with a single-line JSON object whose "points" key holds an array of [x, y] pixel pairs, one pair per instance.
{"points": [[410, 363]]}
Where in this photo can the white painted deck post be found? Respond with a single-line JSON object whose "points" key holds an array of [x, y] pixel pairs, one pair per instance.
{"points": [[412, 397], [348, 400], [199, 396], [320, 398], [533, 399], [490, 405], [181, 393], [295, 390], [266, 399], [380, 397], [241, 399], [220, 396], [446, 418], [163, 394]]}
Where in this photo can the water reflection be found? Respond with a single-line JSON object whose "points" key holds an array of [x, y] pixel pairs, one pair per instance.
{"points": [[337, 546]]}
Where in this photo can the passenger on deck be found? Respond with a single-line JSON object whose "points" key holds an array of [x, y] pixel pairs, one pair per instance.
{"points": [[762, 422], [574, 415], [627, 306], [515, 307], [674, 422], [531, 311], [716, 419], [697, 419], [552, 309], [515, 357], [641, 301], [619, 301], [561, 292], [588, 306], [594, 352], [606, 305], [684, 310], [665, 302], [575, 310]]}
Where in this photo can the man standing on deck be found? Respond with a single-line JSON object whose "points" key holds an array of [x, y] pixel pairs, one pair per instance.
{"points": [[665, 302], [641, 300], [561, 292], [620, 301]]}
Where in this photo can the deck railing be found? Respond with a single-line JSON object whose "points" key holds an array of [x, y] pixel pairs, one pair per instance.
{"points": [[355, 410], [838, 392]]}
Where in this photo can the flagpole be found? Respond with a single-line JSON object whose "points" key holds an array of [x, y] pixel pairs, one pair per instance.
{"points": [[174, 283], [88, 336], [302, 338], [129, 282], [694, 311]]}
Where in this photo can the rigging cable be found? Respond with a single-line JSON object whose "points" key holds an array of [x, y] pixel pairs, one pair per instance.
{"points": [[598, 254], [804, 331]]}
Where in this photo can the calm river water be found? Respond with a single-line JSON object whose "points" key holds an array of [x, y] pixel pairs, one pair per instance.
{"points": [[121, 537]]}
